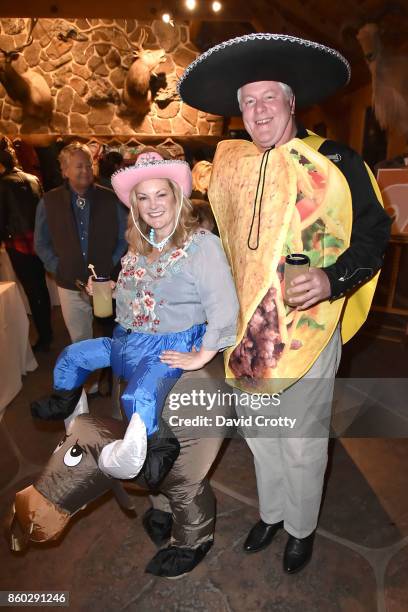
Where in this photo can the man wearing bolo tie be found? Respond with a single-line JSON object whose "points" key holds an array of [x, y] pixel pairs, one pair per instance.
{"points": [[288, 191], [77, 224]]}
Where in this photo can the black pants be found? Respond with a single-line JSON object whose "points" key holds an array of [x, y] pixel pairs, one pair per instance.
{"points": [[31, 274]]}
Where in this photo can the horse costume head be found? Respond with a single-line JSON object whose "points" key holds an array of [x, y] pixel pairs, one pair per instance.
{"points": [[69, 482], [73, 477]]}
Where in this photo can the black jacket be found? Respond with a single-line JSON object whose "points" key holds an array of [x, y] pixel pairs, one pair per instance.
{"points": [[371, 224], [19, 195]]}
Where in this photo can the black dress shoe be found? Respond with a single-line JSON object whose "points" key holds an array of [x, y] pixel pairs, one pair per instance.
{"points": [[298, 553], [260, 536]]}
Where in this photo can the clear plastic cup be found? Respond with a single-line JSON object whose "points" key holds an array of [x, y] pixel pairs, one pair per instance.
{"points": [[295, 264], [102, 297]]}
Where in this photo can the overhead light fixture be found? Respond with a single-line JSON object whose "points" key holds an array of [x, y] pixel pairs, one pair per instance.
{"points": [[216, 6], [166, 17], [191, 4]]}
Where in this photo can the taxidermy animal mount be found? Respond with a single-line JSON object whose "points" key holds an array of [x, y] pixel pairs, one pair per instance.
{"points": [[28, 88]]}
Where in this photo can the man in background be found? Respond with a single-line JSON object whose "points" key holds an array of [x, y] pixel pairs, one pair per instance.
{"points": [[20, 193], [77, 224]]}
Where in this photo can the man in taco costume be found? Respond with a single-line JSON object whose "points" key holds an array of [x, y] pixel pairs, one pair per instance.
{"points": [[288, 191]]}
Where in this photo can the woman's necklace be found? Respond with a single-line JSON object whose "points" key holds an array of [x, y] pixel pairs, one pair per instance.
{"points": [[158, 245]]}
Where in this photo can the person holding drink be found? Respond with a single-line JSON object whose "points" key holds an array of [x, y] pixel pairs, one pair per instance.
{"points": [[288, 192], [77, 223], [176, 308]]}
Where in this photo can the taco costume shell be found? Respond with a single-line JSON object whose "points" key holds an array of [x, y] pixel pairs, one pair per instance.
{"points": [[304, 207]]}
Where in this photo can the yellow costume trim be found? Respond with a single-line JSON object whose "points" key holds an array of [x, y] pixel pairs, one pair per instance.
{"points": [[323, 233], [358, 303]]}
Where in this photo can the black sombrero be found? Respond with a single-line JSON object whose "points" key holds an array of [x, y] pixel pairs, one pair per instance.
{"points": [[313, 71]]}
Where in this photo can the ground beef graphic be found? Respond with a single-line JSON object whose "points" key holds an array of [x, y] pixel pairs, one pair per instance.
{"points": [[262, 344]]}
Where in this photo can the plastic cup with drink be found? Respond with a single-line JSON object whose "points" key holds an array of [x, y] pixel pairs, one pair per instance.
{"points": [[295, 265], [102, 294]]}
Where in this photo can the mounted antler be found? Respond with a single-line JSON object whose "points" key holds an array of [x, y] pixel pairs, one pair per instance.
{"points": [[137, 94], [72, 34], [28, 42], [28, 88], [142, 39], [81, 36]]}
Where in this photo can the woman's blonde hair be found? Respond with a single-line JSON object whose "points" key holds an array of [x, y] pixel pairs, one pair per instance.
{"points": [[187, 223]]}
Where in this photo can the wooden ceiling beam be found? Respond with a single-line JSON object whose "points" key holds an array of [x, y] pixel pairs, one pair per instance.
{"points": [[318, 24], [266, 18], [106, 9]]}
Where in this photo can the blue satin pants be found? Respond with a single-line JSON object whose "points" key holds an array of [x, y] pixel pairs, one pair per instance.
{"points": [[134, 357]]}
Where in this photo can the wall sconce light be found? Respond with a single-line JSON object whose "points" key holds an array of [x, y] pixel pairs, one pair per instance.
{"points": [[191, 4], [216, 6]]}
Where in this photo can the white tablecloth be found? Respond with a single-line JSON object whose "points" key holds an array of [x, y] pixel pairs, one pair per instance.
{"points": [[7, 274], [16, 356]]}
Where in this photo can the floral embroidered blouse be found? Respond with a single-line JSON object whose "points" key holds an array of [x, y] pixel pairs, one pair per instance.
{"points": [[184, 287]]}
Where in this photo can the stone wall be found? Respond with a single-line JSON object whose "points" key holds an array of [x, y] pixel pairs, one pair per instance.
{"points": [[86, 80]]}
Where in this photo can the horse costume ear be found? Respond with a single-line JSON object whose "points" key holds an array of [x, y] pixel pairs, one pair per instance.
{"points": [[80, 408]]}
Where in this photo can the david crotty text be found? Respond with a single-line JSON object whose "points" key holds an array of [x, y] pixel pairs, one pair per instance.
{"points": [[252, 420]]}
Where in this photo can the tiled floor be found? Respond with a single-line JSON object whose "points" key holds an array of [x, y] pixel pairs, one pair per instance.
{"points": [[360, 560]]}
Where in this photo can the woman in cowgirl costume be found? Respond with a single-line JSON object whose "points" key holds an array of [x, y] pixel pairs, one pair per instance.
{"points": [[176, 309]]}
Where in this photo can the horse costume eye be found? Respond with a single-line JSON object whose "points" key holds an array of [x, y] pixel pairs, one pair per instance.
{"points": [[73, 456]]}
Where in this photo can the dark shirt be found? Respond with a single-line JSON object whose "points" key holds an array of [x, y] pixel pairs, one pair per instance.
{"points": [[81, 207], [371, 224], [19, 196]]}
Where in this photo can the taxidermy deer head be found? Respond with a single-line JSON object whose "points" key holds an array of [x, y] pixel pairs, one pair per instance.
{"points": [[28, 88]]}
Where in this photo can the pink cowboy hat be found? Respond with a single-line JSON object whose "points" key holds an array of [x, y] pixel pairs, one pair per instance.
{"points": [[151, 166]]}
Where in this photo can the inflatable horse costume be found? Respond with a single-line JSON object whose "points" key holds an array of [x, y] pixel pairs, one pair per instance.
{"points": [[72, 478]]}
